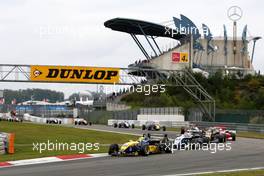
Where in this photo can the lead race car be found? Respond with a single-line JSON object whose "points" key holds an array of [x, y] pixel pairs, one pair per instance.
{"points": [[144, 146]]}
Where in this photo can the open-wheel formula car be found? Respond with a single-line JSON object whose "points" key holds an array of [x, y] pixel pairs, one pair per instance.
{"points": [[190, 140], [228, 135], [80, 121], [53, 121], [123, 124], [153, 126], [11, 117], [217, 134], [143, 146]]}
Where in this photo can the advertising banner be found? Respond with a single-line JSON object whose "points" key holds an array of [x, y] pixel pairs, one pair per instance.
{"points": [[74, 74]]}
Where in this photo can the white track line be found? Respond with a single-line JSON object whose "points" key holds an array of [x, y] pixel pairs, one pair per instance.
{"points": [[221, 171], [109, 131]]}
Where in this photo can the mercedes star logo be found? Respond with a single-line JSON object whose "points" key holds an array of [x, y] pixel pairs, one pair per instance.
{"points": [[234, 13]]}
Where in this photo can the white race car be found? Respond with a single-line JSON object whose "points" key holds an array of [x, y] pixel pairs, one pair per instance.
{"points": [[54, 121], [11, 117], [153, 126], [123, 124], [189, 141], [81, 122]]}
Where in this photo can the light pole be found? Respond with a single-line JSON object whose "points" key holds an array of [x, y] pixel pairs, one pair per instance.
{"points": [[234, 13], [253, 50]]}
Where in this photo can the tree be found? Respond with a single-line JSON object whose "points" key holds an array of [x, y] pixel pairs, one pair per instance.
{"points": [[32, 94]]}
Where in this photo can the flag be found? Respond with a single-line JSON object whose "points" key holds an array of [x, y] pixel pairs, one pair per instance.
{"points": [[13, 102], [2, 101]]}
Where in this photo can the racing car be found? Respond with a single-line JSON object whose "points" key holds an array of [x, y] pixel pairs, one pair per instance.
{"points": [[81, 122], [53, 121], [153, 126], [14, 119], [217, 134], [142, 147], [124, 124], [11, 117], [230, 135], [190, 140]]}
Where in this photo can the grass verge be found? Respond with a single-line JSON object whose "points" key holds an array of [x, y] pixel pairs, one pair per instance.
{"points": [[26, 134], [255, 135]]}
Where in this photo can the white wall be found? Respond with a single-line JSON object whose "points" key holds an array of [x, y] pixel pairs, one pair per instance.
{"points": [[164, 61], [36, 119], [160, 118]]}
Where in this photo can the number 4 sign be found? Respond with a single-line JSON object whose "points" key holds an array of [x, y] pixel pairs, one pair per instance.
{"points": [[178, 57]]}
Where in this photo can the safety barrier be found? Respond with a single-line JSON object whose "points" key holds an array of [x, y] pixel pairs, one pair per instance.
{"points": [[142, 122], [36, 119], [176, 124]]}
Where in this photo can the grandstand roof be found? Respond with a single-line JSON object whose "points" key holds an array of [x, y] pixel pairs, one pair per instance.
{"points": [[133, 26]]}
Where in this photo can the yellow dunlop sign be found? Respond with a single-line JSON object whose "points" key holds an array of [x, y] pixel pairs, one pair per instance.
{"points": [[74, 74]]}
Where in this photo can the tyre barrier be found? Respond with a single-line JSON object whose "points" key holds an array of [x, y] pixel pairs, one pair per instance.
{"points": [[7, 141]]}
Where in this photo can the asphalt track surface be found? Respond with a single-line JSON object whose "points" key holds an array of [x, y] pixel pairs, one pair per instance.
{"points": [[245, 153], [135, 131]]}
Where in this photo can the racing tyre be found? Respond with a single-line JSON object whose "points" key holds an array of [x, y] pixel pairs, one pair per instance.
{"points": [[143, 127], [75, 123], [115, 125], [59, 122], [145, 151], [221, 138], [224, 138], [132, 126], [206, 140], [90, 124], [233, 136], [163, 128], [119, 126], [113, 149], [47, 121], [195, 144]]}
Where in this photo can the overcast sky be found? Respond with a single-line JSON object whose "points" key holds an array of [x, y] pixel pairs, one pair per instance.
{"points": [[71, 32]]}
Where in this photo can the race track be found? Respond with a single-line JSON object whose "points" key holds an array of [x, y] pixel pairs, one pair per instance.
{"points": [[245, 153], [135, 131]]}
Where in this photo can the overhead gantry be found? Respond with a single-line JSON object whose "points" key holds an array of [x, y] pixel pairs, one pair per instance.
{"points": [[110, 75]]}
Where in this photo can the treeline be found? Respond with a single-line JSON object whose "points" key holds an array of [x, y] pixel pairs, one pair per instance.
{"points": [[32, 94], [228, 91]]}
